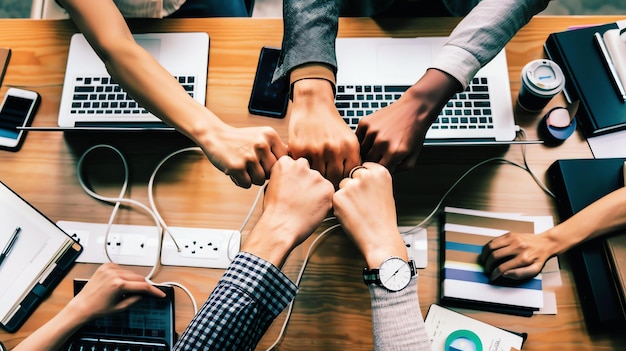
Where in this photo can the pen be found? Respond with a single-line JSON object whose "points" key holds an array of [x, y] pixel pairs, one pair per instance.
{"points": [[9, 245], [610, 66]]}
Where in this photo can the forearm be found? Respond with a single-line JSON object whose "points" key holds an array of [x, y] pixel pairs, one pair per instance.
{"points": [[249, 296], [52, 335], [136, 70], [482, 34], [397, 319], [159, 92], [310, 29], [430, 94], [601, 217]]}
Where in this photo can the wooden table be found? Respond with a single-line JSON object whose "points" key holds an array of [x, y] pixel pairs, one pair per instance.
{"points": [[332, 309]]}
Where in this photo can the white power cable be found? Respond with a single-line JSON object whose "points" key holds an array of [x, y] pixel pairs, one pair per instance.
{"points": [[412, 229], [162, 227], [121, 199], [524, 167], [313, 246], [117, 200], [158, 215]]}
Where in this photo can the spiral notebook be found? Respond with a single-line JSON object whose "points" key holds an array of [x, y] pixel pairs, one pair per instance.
{"points": [[587, 80]]}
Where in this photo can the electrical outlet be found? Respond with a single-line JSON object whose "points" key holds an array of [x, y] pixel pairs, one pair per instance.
{"points": [[126, 244], [114, 243], [200, 247], [416, 242], [80, 236]]}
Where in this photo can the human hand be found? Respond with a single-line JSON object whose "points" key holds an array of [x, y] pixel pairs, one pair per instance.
{"points": [[318, 133], [365, 207], [515, 255], [393, 136], [111, 289], [244, 154], [297, 199]]}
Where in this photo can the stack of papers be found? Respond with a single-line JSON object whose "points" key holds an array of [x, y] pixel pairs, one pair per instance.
{"points": [[463, 280], [617, 49]]}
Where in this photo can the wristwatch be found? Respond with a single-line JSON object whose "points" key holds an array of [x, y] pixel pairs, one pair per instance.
{"points": [[394, 274]]}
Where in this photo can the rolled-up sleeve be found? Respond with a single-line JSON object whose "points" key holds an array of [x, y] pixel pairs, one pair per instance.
{"points": [[480, 36], [309, 34], [246, 300]]}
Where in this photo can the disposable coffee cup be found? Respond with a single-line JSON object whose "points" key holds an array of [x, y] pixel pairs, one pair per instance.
{"points": [[541, 80]]}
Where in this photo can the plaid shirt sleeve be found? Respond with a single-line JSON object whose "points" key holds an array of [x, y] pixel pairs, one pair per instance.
{"points": [[250, 294]]}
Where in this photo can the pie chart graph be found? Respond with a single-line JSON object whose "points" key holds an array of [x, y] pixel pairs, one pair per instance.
{"points": [[463, 340]]}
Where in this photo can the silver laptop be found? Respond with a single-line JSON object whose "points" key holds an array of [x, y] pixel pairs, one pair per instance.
{"points": [[374, 72], [91, 99]]}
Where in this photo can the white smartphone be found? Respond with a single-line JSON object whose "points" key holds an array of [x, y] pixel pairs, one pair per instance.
{"points": [[17, 110]]}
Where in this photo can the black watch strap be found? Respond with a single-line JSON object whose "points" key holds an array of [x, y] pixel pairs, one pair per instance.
{"points": [[372, 276]]}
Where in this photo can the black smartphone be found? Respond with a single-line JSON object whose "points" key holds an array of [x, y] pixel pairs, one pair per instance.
{"points": [[267, 98], [17, 110], [5, 56]]}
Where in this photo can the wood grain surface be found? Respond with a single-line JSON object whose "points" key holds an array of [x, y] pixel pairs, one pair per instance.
{"points": [[332, 309]]}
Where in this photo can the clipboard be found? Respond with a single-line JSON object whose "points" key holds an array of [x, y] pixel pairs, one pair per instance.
{"points": [[40, 258]]}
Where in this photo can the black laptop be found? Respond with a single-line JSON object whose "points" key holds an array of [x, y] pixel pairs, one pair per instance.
{"points": [[147, 325]]}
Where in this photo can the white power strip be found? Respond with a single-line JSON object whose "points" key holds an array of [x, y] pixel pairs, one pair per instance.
{"points": [[416, 241], [138, 245], [126, 244], [199, 247]]}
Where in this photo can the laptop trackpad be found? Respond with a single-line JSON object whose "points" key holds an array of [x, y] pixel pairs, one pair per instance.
{"points": [[153, 46], [400, 62]]}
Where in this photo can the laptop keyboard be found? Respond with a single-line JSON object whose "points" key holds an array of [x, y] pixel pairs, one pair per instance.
{"points": [[92, 344], [470, 109], [103, 96]]}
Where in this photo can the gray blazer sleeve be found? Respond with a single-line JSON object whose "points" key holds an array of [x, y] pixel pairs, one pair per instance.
{"points": [[309, 34]]}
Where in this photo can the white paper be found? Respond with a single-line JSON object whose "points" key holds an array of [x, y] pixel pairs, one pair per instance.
{"points": [[550, 275], [445, 326], [36, 246], [612, 145]]}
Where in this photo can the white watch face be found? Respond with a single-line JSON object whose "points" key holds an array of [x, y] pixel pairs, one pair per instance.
{"points": [[395, 274]]}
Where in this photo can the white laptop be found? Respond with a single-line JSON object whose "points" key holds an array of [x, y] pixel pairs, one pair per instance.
{"points": [[374, 72], [92, 100]]}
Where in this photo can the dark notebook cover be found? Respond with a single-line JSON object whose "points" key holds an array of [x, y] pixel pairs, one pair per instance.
{"points": [[587, 79], [576, 184]]}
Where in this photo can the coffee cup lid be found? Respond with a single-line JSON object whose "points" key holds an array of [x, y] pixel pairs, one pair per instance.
{"points": [[543, 77]]}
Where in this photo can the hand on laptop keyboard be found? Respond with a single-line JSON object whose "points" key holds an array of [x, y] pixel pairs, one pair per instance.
{"points": [[103, 294], [393, 136]]}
